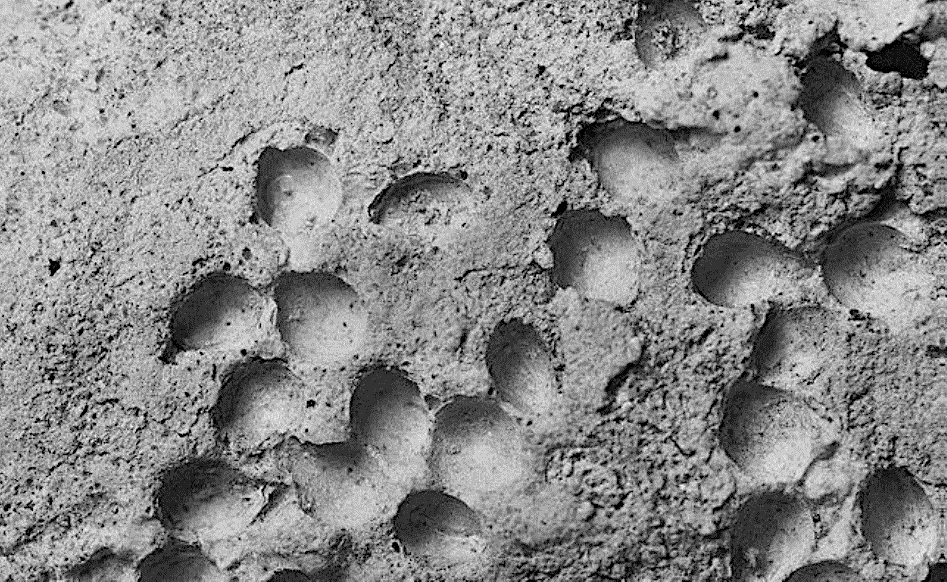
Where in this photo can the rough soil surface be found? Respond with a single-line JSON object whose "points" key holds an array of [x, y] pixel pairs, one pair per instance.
{"points": [[493, 290]]}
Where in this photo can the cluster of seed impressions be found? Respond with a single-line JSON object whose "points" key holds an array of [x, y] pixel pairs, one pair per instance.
{"points": [[772, 424], [433, 473], [769, 427], [431, 470]]}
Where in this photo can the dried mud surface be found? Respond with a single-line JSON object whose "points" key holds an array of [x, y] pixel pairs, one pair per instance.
{"points": [[493, 290]]}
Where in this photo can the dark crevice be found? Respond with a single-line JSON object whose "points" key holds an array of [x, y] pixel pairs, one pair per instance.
{"points": [[560, 209], [899, 57], [614, 386], [938, 573], [762, 31]]}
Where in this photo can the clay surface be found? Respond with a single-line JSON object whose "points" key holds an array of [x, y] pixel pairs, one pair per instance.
{"points": [[503, 290]]}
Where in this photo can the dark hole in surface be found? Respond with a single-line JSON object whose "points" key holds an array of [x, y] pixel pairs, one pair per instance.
{"points": [[938, 573], [54, 265], [761, 31], [560, 209], [899, 57], [289, 576]]}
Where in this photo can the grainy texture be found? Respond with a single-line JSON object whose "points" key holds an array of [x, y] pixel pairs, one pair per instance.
{"points": [[428, 290]]}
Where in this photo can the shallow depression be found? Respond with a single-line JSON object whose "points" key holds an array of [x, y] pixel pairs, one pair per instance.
{"points": [[867, 268], [180, 564], [320, 317], [297, 189], [478, 450], [773, 534], [521, 368], [596, 255], [832, 100], [794, 347], [768, 433], [824, 572], [898, 519], [103, 566], [737, 268], [263, 401], [389, 415], [342, 485], [666, 29], [207, 502], [426, 204], [438, 526], [634, 160], [290, 576], [221, 312]]}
